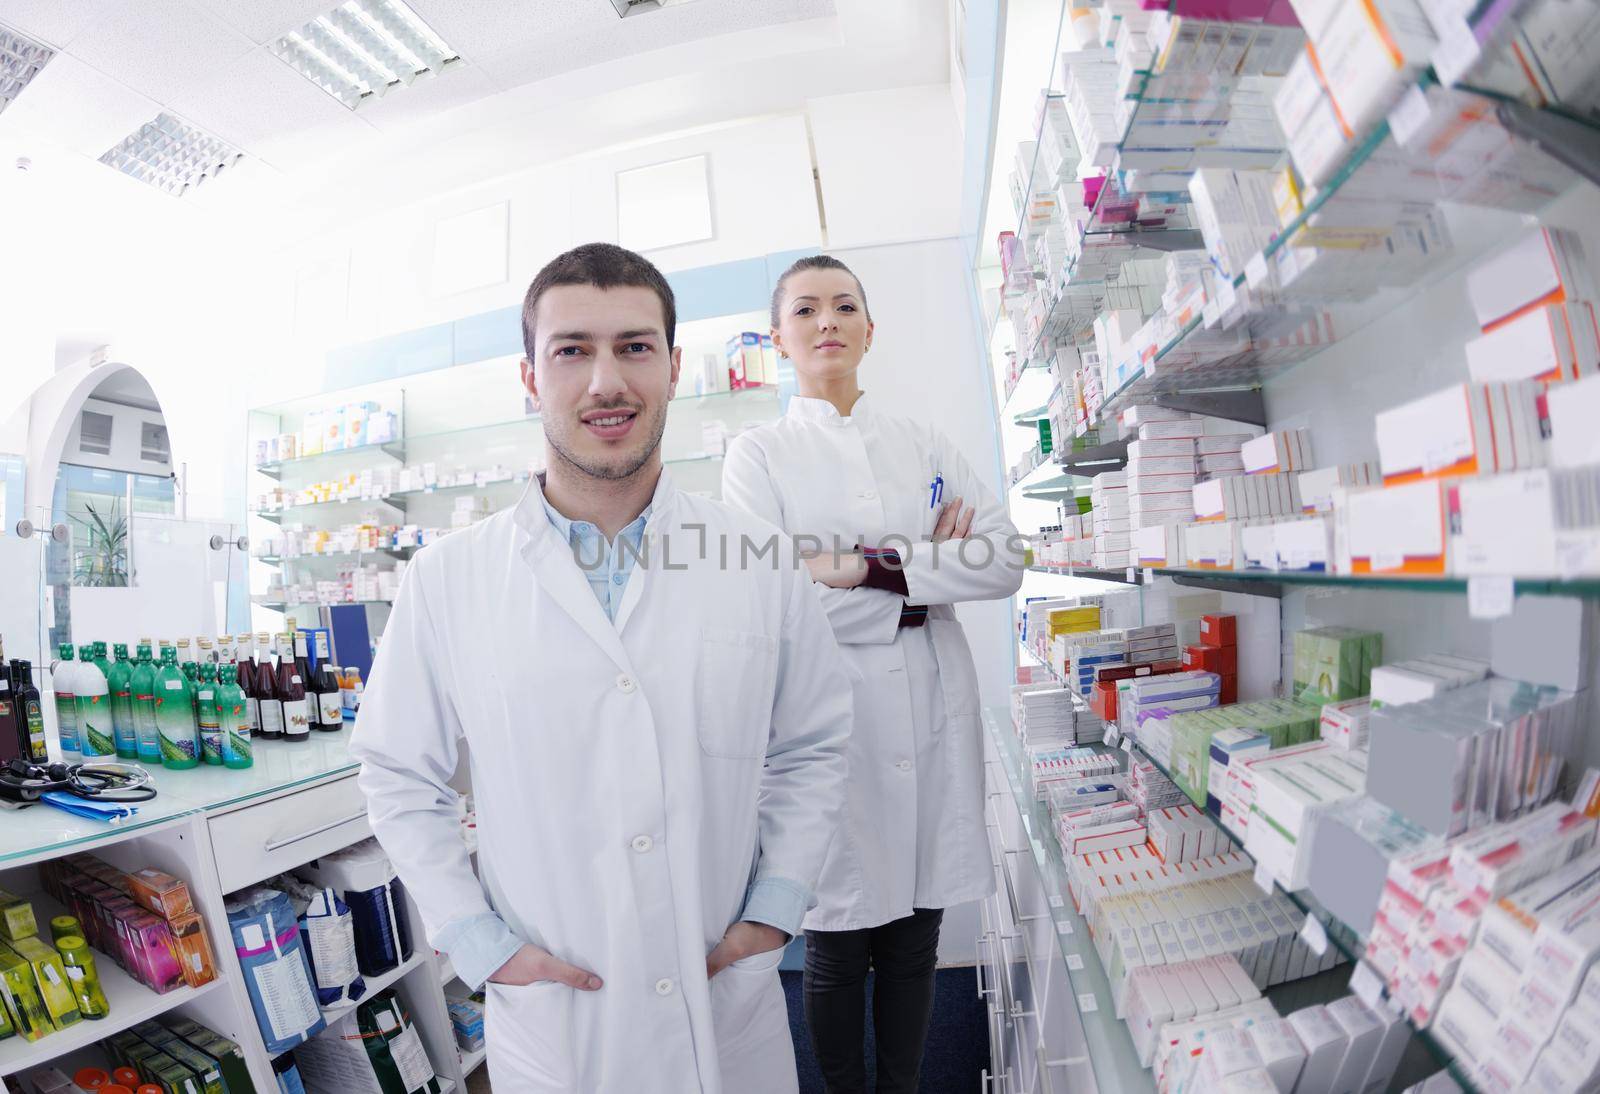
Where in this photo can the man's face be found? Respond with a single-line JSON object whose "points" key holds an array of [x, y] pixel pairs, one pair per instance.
{"points": [[602, 376]]}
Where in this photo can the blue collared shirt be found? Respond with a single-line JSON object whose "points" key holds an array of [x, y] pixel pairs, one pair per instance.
{"points": [[480, 944], [606, 565]]}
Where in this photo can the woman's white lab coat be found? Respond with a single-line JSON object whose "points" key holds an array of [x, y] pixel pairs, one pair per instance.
{"points": [[631, 779], [912, 835]]}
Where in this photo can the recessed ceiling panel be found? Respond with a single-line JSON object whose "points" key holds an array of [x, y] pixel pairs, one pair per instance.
{"points": [[161, 48]]}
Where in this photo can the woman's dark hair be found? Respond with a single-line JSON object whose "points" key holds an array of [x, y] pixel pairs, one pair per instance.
{"points": [[815, 262]]}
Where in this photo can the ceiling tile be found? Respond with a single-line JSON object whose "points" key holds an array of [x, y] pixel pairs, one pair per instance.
{"points": [[485, 28], [162, 48], [268, 20], [52, 22], [459, 84], [258, 98], [79, 107]]}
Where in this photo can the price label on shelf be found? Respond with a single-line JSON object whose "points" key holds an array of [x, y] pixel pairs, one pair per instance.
{"points": [[1366, 985], [1111, 736], [1457, 52], [1074, 962], [1314, 935], [1063, 928], [1490, 597], [1409, 115], [1127, 745], [1088, 1003], [1263, 878], [1226, 296], [1057, 902], [1385, 561], [1256, 273], [1210, 314], [1149, 575], [1132, 575]]}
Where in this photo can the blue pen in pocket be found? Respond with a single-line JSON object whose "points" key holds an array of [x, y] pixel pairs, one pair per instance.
{"points": [[935, 490]]}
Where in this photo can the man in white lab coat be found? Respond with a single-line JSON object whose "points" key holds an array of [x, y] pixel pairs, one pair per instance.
{"points": [[656, 712]]}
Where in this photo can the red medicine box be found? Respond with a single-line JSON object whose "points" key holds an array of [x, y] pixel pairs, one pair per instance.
{"points": [[1218, 630], [1228, 693]]}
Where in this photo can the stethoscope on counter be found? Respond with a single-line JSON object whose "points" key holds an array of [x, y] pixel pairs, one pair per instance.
{"points": [[99, 781]]}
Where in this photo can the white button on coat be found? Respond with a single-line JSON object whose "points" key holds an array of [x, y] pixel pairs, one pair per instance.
{"points": [[643, 844], [663, 986], [731, 745], [917, 692]]}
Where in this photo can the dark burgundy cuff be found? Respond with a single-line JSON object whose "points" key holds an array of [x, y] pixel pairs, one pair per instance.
{"points": [[884, 571], [913, 615]]}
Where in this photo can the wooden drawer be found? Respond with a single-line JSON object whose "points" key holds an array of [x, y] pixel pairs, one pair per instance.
{"points": [[261, 840]]}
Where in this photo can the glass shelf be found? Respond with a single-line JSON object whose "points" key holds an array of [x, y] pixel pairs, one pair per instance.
{"points": [[333, 556], [396, 500], [1344, 938], [1249, 346], [1271, 582], [1251, 330], [397, 450], [1111, 1051]]}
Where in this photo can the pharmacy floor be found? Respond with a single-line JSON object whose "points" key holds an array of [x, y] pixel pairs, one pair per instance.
{"points": [[958, 1044]]}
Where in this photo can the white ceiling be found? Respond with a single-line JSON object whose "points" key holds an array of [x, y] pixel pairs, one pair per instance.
{"points": [[538, 79]]}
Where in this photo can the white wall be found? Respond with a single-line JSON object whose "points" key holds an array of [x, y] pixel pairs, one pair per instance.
{"points": [[890, 165]]}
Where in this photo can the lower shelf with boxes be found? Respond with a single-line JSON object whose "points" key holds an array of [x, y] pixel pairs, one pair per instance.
{"points": [[1191, 977]]}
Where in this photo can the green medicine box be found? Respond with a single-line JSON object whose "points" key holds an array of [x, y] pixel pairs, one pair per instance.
{"points": [[51, 976], [1335, 663], [235, 1072], [28, 1014], [176, 1078], [207, 1071], [16, 918]]}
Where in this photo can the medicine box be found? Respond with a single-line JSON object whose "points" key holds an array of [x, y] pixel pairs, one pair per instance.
{"points": [[1549, 344], [1545, 266], [1286, 450], [1467, 429], [1574, 409]]}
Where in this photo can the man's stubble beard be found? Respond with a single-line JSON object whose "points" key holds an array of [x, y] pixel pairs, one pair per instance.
{"points": [[657, 426]]}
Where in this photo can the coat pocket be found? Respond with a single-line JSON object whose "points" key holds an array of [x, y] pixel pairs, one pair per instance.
{"points": [[528, 1029], [736, 679]]}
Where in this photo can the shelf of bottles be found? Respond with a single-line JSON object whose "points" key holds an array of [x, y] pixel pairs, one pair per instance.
{"points": [[178, 706]]}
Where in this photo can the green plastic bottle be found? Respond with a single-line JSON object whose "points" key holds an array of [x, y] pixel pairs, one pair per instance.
{"points": [[120, 681], [62, 679], [81, 973], [143, 682], [62, 926], [101, 660], [210, 722], [233, 717], [180, 738], [95, 735]]}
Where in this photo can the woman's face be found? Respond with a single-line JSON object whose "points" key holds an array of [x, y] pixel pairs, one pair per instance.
{"points": [[823, 325]]}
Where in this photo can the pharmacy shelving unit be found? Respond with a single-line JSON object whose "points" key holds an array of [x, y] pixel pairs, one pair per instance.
{"points": [[469, 418], [1396, 344], [222, 831]]}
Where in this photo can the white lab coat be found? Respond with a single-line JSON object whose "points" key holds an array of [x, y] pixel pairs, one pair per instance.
{"points": [[912, 835], [630, 779]]}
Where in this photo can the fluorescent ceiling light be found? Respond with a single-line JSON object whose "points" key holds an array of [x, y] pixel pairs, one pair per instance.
{"points": [[171, 155], [363, 49], [21, 58], [626, 8]]}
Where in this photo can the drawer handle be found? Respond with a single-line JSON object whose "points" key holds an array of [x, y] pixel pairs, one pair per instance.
{"points": [[273, 845], [981, 941]]}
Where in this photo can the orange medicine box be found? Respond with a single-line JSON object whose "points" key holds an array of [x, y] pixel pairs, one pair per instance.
{"points": [[160, 892], [193, 949], [1219, 630]]}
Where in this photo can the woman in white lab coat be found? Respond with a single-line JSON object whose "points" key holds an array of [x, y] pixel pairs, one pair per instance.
{"points": [[904, 530]]}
